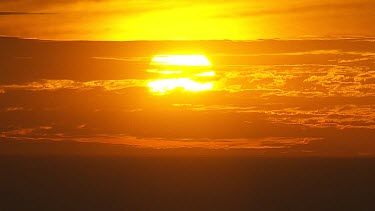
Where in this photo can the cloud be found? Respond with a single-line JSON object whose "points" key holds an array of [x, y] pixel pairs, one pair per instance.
{"points": [[261, 143], [3, 13], [356, 145], [15, 108], [53, 85], [47, 133], [340, 117], [97, 7], [303, 9], [334, 116], [346, 81], [131, 59]]}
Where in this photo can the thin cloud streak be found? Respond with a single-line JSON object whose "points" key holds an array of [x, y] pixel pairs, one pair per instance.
{"points": [[5, 13], [301, 9]]}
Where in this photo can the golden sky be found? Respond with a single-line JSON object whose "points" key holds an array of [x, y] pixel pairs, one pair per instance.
{"points": [[191, 19]]}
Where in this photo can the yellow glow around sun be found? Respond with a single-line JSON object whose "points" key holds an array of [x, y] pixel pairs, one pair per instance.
{"points": [[181, 60], [186, 72]]}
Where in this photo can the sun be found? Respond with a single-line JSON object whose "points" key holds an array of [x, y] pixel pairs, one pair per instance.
{"points": [[191, 73]]}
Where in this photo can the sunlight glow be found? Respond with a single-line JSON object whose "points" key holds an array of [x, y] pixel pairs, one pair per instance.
{"points": [[206, 74], [193, 73], [181, 60], [166, 72], [164, 85]]}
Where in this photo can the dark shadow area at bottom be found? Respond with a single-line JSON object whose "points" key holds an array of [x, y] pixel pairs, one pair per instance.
{"points": [[185, 183]]}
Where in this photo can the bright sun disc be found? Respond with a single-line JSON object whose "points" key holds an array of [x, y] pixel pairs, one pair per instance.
{"points": [[186, 72]]}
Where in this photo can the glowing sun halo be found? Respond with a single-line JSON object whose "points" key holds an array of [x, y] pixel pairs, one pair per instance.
{"points": [[181, 60], [187, 72]]}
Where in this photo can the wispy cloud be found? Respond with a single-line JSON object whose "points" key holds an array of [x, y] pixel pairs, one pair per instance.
{"points": [[47, 133], [302, 9], [14, 108], [340, 117], [127, 59], [7, 13], [52, 85]]}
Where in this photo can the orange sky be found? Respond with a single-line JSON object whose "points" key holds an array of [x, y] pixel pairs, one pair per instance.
{"points": [[166, 20], [311, 92], [290, 97]]}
